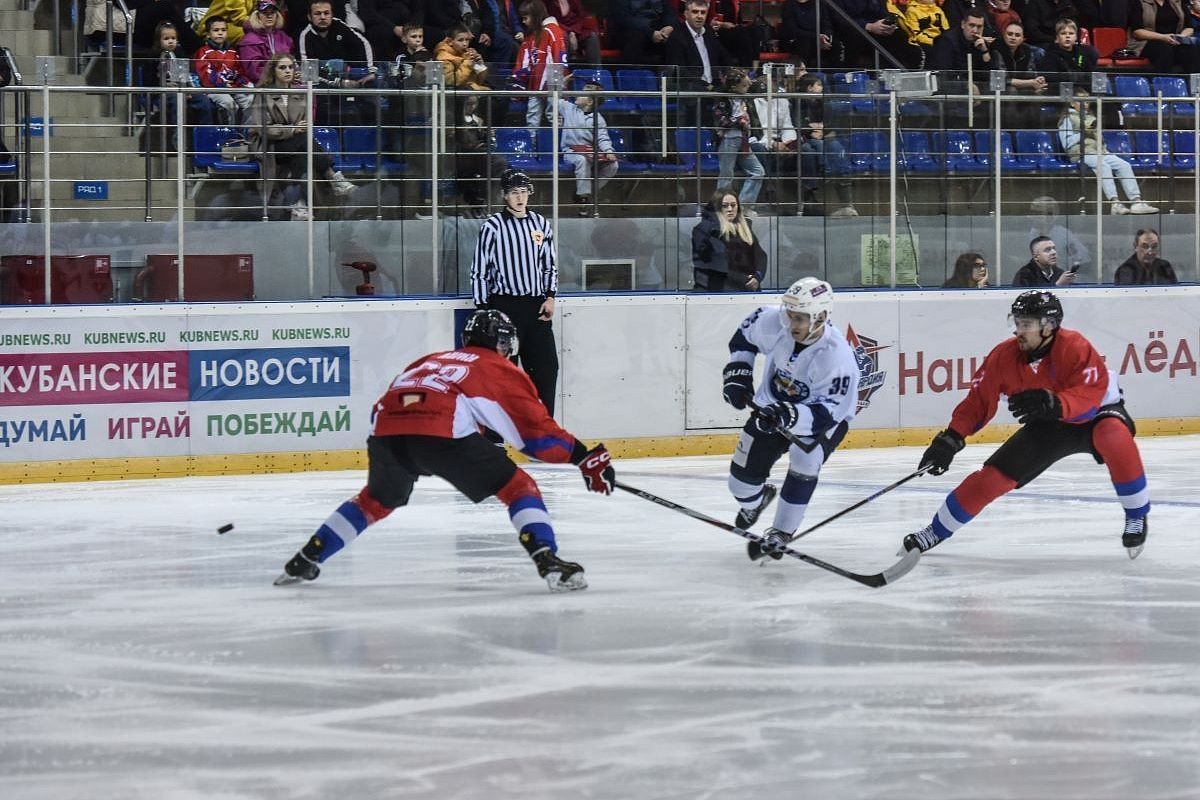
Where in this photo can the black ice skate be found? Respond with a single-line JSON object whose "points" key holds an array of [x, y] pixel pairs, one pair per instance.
{"points": [[746, 518], [303, 566], [923, 540], [772, 544], [1134, 537], [561, 576]]}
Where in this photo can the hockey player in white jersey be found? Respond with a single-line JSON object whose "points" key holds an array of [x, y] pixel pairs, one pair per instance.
{"points": [[809, 388]]}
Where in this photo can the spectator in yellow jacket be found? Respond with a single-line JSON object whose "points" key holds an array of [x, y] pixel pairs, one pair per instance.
{"points": [[234, 12], [923, 21]]}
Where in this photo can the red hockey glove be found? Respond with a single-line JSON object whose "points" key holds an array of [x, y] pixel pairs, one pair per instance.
{"points": [[597, 470]]}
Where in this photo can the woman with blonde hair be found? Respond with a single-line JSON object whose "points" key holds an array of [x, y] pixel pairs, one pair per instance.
{"points": [[265, 36], [278, 132], [726, 255]]}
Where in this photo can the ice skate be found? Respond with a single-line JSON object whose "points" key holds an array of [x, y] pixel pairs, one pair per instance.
{"points": [[772, 544], [923, 540], [561, 576], [296, 570], [747, 517], [1134, 537], [303, 565]]}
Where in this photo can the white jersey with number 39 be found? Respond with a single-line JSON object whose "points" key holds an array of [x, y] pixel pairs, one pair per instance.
{"points": [[820, 378]]}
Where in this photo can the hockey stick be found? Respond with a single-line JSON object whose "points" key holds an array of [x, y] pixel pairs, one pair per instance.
{"points": [[861, 503], [889, 575]]}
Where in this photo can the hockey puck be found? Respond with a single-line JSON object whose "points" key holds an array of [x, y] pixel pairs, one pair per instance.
{"points": [[226, 528]]}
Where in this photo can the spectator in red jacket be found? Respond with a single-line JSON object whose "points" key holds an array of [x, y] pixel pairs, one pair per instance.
{"points": [[219, 67], [545, 43]]}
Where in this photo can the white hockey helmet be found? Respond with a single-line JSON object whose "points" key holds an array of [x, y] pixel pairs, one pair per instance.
{"points": [[811, 296]]}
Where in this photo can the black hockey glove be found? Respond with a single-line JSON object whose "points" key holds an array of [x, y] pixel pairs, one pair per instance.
{"points": [[776, 417], [1034, 405], [739, 384], [941, 452], [597, 470]]}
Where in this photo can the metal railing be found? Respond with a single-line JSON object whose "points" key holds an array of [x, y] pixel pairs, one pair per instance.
{"points": [[913, 217]]}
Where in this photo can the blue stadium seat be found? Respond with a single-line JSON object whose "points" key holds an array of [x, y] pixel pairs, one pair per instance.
{"points": [[517, 148], [8, 170], [1184, 151], [360, 146], [961, 158], [687, 147], [206, 146], [853, 83], [545, 151], [331, 143], [867, 152], [1120, 143], [641, 80], [1134, 86], [916, 155], [1174, 86], [1037, 148], [1008, 161], [630, 164], [612, 104], [1146, 148]]}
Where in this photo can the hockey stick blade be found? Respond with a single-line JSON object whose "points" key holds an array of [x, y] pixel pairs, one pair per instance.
{"points": [[889, 575]]}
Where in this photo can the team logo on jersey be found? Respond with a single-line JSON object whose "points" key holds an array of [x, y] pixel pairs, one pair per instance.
{"points": [[866, 355], [786, 387], [538, 237]]}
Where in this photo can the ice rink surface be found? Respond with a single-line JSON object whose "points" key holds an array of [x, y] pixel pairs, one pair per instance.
{"points": [[145, 657]]}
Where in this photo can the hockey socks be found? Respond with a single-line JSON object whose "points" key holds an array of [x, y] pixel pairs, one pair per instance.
{"points": [[1115, 445], [969, 498], [528, 513], [344, 526], [794, 495]]}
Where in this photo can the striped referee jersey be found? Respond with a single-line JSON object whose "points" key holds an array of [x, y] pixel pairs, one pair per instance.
{"points": [[515, 256]]}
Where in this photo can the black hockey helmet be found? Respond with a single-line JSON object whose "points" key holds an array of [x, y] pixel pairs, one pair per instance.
{"points": [[1037, 304], [514, 179], [492, 329]]}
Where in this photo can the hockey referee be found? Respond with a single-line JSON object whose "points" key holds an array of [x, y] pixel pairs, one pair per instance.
{"points": [[514, 270]]}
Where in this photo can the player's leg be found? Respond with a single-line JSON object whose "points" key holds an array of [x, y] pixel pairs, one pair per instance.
{"points": [[1113, 444], [479, 470], [755, 454], [804, 468], [390, 479], [1027, 454]]}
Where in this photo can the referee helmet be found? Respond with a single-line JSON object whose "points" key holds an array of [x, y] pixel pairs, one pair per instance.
{"points": [[512, 179]]}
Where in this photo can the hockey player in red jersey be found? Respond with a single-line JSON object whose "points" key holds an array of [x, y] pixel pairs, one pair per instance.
{"points": [[1067, 402], [428, 423]]}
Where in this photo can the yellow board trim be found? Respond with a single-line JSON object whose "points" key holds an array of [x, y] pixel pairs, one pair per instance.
{"points": [[108, 469]]}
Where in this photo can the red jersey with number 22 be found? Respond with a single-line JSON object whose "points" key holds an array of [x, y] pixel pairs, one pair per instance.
{"points": [[451, 394], [1072, 370]]}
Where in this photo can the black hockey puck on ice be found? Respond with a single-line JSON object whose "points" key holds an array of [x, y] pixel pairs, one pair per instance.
{"points": [[226, 528]]}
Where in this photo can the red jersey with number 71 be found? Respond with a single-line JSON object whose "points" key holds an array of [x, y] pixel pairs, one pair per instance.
{"points": [[451, 394], [1072, 370]]}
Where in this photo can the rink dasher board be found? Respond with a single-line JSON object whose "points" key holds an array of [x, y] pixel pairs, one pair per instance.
{"points": [[133, 391]]}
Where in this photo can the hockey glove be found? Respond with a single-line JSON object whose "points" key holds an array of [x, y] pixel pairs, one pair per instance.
{"points": [[776, 417], [597, 470], [941, 452], [1034, 405], [739, 384]]}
